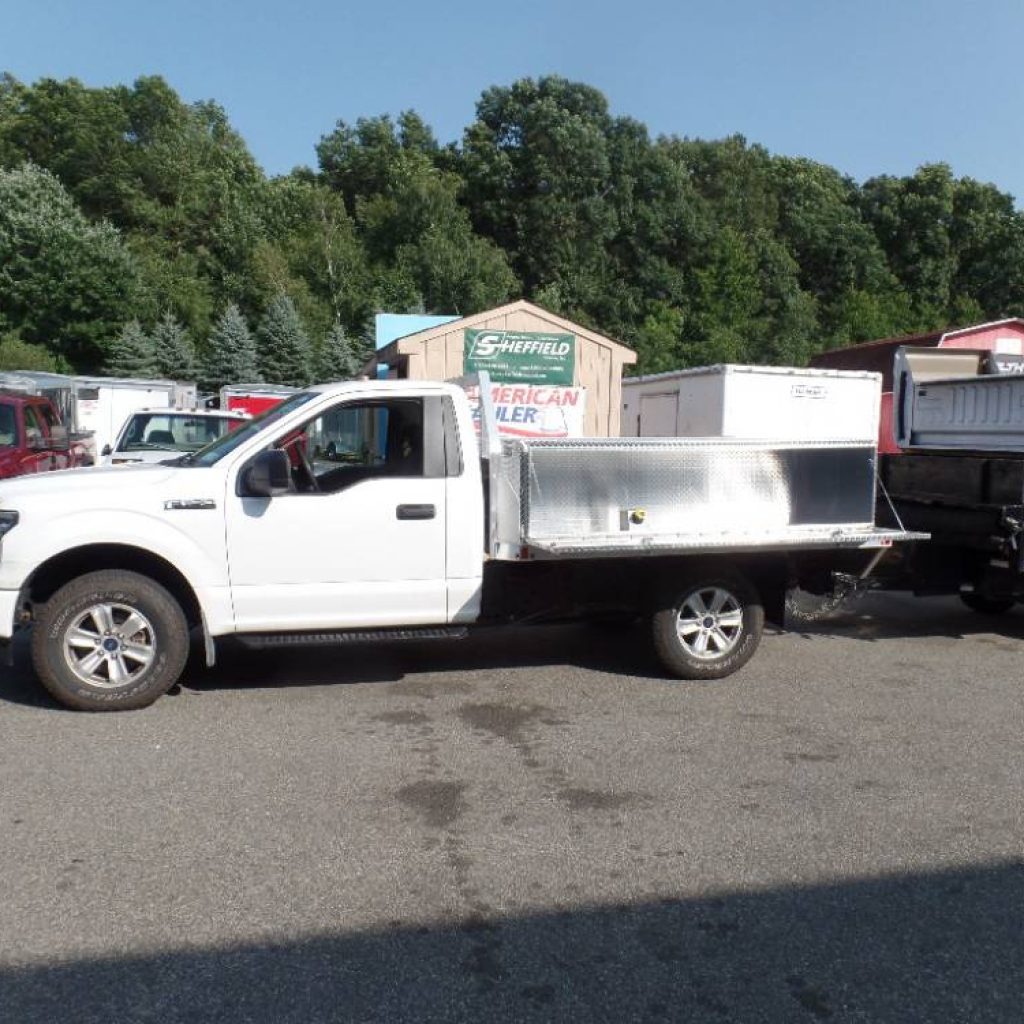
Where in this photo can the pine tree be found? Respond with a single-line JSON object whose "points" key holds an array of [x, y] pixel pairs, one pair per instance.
{"points": [[175, 354], [133, 354], [283, 345], [230, 356], [338, 358]]}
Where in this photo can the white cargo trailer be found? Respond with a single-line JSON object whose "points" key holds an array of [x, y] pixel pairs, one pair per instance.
{"points": [[755, 402]]}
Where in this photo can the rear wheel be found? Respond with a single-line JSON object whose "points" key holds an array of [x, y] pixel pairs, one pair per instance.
{"points": [[110, 641], [987, 605], [709, 628]]}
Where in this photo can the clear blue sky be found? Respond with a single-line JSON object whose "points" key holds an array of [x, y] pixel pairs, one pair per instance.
{"points": [[873, 86]]}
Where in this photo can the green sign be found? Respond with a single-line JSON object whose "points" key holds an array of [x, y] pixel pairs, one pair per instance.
{"points": [[521, 356]]}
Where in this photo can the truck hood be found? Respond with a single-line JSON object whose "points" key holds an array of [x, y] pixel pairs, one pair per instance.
{"points": [[107, 487]]}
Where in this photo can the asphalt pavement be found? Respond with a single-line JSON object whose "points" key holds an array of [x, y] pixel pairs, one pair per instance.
{"points": [[531, 825]]}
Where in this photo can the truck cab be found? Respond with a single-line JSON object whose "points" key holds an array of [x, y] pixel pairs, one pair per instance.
{"points": [[32, 438]]}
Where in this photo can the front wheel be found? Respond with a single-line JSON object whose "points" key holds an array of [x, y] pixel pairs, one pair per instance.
{"points": [[110, 641], [709, 628]]}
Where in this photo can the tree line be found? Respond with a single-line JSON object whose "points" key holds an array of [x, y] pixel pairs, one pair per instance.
{"points": [[138, 232]]}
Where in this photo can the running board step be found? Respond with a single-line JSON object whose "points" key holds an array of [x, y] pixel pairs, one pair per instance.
{"points": [[259, 641]]}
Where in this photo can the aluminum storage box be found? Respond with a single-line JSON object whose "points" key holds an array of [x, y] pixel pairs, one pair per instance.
{"points": [[574, 498], [757, 402]]}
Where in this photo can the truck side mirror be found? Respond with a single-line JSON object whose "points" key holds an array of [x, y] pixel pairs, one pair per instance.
{"points": [[268, 474], [107, 450]]}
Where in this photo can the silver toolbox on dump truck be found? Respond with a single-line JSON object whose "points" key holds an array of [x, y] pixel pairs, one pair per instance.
{"points": [[753, 402]]}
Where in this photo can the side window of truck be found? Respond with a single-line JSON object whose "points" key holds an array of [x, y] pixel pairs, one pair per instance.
{"points": [[356, 441], [8, 426], [34, 432]]}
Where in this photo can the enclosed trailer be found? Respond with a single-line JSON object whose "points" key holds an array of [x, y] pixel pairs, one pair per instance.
{"points": [[753, 402], [253, 398]]}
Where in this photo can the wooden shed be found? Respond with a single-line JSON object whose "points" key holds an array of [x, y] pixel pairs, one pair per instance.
{"points": [[438, 353]]}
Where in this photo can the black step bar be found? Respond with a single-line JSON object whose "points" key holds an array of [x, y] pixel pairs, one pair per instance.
{"points": [[260, 641]]}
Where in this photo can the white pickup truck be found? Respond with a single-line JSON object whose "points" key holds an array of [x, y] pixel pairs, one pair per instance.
{"points": [[387, 510]]}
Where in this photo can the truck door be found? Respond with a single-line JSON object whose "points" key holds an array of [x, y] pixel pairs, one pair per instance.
{"points": [[40, 456], [57, 437], [360, 538]]}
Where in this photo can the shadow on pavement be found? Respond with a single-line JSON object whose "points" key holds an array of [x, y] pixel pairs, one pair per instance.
{"points": [[619, 652], [614, 651], [942, 947], [610, 650], [887, 616]]}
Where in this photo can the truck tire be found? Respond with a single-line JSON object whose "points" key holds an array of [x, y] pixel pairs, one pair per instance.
{"points": [[110, 641], [987, 605], [710, 627]]}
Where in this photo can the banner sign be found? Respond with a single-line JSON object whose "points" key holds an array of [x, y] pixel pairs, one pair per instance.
{"points": [[534, 411], [521, 356]]}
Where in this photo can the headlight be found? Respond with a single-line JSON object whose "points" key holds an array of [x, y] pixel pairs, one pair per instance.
{"points": [[8, 521]]}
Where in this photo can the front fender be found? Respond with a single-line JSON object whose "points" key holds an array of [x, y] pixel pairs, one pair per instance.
{"points": [[197, 550]]}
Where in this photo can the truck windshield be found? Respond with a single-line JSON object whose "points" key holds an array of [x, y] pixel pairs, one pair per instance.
{"points": [[8, 427], [216, 451], [173, 432]]}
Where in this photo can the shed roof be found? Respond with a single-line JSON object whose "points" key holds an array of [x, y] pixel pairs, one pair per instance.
{"points": [[409, 344]]}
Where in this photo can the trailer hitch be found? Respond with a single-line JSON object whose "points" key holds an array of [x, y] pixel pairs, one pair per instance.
{"points": [[845, 587]]}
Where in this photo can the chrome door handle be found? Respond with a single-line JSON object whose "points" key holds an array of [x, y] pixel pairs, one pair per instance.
{"points": [[415, 512]]}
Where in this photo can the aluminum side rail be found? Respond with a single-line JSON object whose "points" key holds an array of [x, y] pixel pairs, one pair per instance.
{"points": [[720, 543]]}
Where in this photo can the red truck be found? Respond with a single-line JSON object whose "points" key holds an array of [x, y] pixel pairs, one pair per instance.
{"points": [[32, 438]]}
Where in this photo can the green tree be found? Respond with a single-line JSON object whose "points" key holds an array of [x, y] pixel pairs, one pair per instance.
{"points": [[987, 236], [659, 340], [361, 160], [418, 239], [230, 354], [835, 252], [538, 175], [315, 245], [175, 354], [912, 218], [338, 357], [283, 346], [16, 354], [65, 283], [174, 178], [133, 354], [728, 296]]}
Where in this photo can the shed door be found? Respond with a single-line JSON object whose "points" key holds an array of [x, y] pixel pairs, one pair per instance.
{"points": [[658, 415]]}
